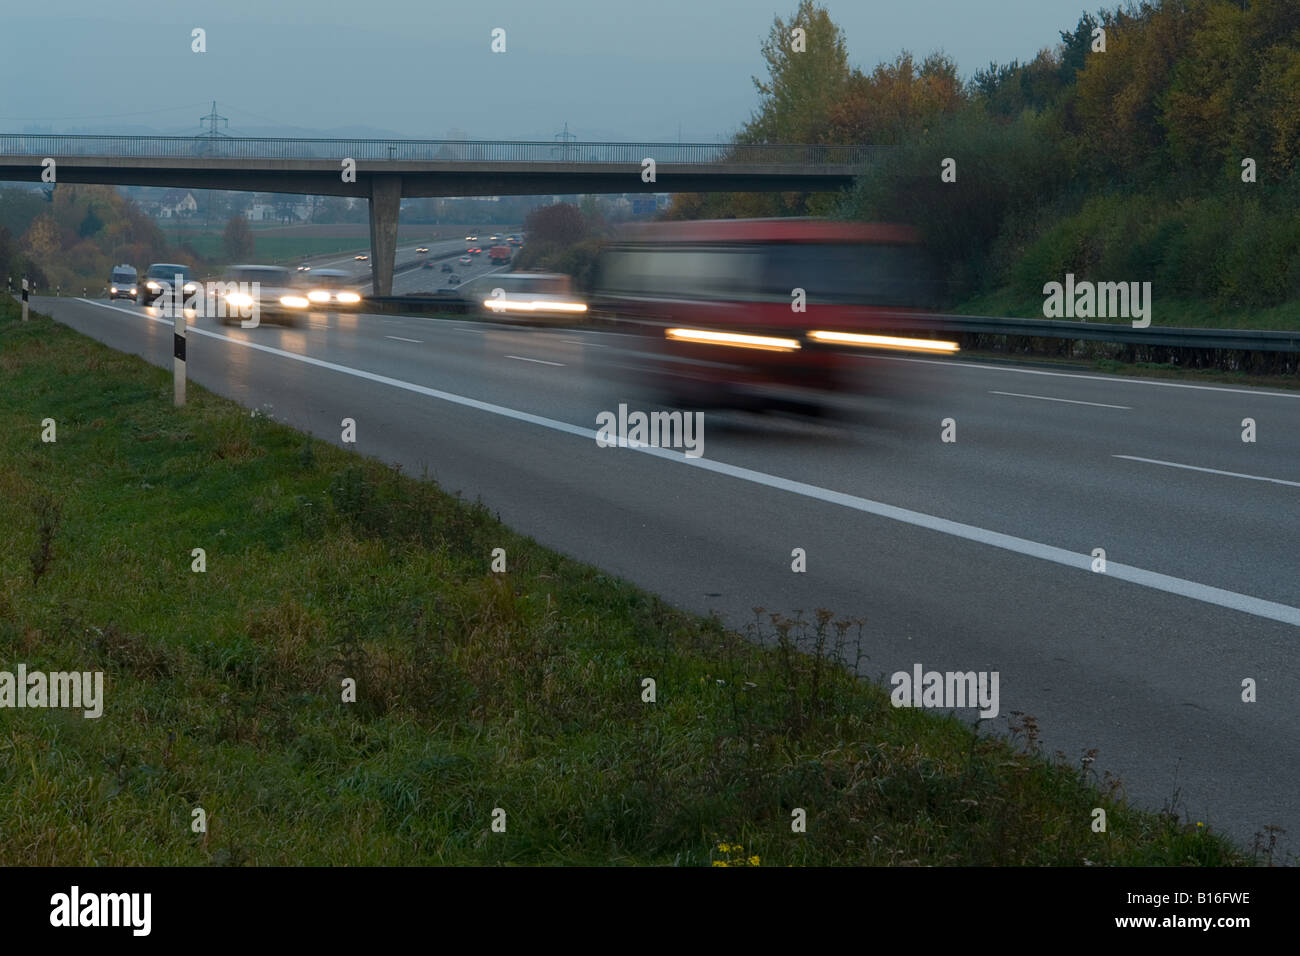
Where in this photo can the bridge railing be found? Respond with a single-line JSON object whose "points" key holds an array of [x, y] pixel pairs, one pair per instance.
{"points": [[466, 151]]}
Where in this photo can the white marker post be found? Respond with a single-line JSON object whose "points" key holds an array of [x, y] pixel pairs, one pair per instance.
{"points": [[178, 338], [24, 298]]}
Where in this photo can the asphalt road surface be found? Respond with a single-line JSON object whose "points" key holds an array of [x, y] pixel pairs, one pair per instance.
{"points": [[971, 555]]}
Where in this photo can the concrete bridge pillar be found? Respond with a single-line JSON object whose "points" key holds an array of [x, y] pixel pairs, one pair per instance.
{"points": [[385, 201]]}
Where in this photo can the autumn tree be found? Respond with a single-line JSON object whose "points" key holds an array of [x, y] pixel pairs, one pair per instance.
{"points": [[807, 69], [237, 239], [894, 100], [561, 224]]}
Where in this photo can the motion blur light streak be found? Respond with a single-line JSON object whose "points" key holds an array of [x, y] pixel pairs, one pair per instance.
{"points": [[885, 341], [507, 305], [765, 342]]}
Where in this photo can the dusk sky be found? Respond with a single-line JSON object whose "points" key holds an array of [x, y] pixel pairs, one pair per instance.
{"points": [[611, 69]]}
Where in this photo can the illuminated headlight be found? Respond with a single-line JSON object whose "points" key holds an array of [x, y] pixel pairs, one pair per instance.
{"points": [[153, 286], [318, 295], [735, 339], [523, 305], [190, 287], [239, 300], [294, 301], [133, 291], [113, 290], [349, 298], [885, 342]]}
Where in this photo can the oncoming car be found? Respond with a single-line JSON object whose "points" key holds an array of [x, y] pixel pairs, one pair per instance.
{"points": [[465, 260], [361, 258], [269, 291], [421, 250], [122, 283], [528, 295], [160, 279], [332, 287]]}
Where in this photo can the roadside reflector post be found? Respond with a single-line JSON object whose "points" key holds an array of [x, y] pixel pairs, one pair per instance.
{"points": [[24, 298], [178, 351]]}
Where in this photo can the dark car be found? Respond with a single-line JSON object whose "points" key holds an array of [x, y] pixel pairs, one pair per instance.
{"points": [[122, 283], [446, 267], [161, 277]]}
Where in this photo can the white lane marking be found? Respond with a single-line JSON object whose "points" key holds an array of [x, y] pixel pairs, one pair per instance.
{"points": [[1212, 471], [1048, 398], [459, 328], [1114, 379], [590, 345], [1232, 600], [400, 339], [538, 361]]}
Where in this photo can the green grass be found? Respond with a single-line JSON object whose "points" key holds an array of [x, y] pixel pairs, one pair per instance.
{"points": [[476, 690]]}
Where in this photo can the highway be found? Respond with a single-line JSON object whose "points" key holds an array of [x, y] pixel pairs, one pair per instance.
{"points": [[971, 555], [418, 280]]}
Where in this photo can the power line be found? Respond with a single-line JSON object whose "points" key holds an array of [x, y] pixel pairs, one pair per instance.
{"points": [[61, 119]]}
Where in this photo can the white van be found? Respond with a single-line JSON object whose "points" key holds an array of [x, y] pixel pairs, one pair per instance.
{"points": [[122, 283]]}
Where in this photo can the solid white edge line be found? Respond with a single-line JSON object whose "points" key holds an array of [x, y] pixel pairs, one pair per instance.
{"points": [[1069, 401], [1116, 379], [538, 361], [401, 339], [1232, 600], [1212, 471]]}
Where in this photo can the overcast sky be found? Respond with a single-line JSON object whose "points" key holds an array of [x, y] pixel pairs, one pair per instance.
{"points": [[611, 69]]}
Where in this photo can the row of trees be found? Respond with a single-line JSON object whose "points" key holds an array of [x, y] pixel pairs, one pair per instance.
{"points": [[75, 235], [1127, 158]]}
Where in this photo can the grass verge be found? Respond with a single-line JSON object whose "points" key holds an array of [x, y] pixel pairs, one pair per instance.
{"points": [[475, 691]]}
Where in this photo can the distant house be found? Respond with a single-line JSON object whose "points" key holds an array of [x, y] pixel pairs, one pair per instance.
{"points": [[177, 203], [279, 212]]}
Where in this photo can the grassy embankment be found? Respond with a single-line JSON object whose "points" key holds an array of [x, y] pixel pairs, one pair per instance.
{"points": [[476, 690]]}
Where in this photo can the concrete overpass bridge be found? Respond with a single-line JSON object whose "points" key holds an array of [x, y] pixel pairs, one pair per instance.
{"points": [[386, 171]]}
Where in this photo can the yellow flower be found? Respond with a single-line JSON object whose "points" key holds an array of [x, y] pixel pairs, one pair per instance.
{"points": [[719, 863], [753, 861]]}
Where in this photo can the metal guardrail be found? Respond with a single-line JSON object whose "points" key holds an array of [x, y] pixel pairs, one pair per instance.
{"points": [[1246, 340], [1236, 340], [465, 151]]}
